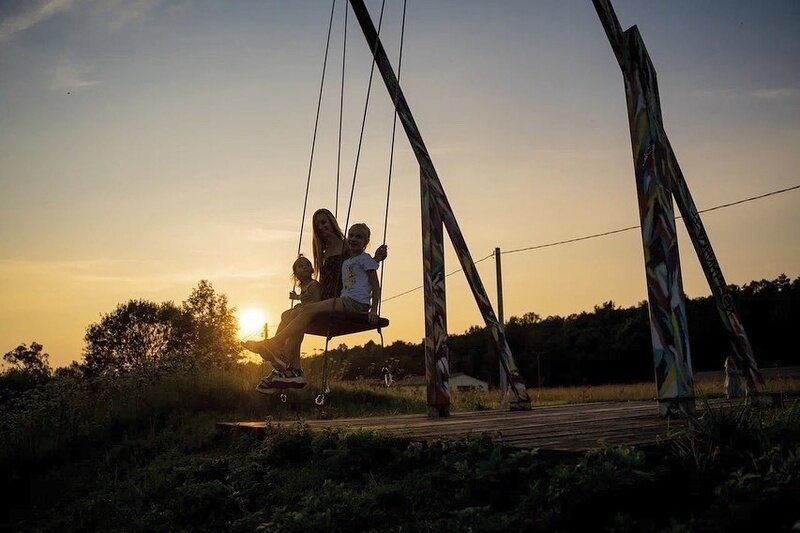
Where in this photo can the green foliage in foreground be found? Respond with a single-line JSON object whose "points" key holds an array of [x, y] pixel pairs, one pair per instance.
{"points": [[143, 454], [293, 480]]}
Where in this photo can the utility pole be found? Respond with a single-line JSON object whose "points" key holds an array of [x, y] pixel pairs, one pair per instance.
{"points": [[501, 320]]}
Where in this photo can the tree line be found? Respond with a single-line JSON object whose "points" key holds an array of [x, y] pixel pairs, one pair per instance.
{"points": [[139, 336], [609, 344]]}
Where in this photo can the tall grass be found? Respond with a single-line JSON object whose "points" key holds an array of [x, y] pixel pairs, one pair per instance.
{"points": [[67, 414], [140, 452]]}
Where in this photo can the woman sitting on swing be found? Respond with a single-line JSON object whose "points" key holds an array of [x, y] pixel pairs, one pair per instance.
{"points": [[329, 252]]}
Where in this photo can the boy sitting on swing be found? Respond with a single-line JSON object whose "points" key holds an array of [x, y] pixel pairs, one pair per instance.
{"points": [[361, 293]]}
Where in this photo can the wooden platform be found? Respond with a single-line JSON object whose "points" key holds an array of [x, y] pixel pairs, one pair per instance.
{"points": [[577, 427]]}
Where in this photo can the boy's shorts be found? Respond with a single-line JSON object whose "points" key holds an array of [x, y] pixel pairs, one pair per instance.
{"points": [[354, 306]]}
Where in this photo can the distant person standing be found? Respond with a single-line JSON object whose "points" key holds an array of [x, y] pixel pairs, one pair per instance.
{"points": [[733, 383], [387, 375]]}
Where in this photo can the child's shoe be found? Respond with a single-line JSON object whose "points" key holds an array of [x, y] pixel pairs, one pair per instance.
{"points": [[265, 386], [292, 378]]}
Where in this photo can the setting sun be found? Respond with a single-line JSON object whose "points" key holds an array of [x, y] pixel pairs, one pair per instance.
{"points": [[251, 321]]}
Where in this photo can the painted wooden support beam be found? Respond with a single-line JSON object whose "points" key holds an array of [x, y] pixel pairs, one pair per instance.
{"points": [[642, 91], [668, 322], [728, 310], [440, 202], [437, 366]]}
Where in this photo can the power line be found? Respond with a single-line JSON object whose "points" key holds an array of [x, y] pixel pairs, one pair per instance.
{"points": [[603, 234], [612, 232]]}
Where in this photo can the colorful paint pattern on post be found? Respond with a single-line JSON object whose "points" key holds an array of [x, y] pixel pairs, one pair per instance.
{"points": [[629, 55], [668, 322], [437, 369]]}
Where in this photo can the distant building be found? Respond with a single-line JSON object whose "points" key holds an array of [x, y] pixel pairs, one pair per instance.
{"points": [[458, 382]]}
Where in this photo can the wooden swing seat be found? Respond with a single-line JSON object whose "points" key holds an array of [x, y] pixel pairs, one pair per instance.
{"points": [[335, 323]]}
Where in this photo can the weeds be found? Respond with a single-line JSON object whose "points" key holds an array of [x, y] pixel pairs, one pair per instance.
{"points": [[140, 453]]}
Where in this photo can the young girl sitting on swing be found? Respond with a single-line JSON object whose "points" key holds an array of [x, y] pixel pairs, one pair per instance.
{"points": [[361, 293]]}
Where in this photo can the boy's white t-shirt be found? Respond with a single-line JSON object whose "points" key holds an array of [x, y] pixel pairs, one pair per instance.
{"points": [[355, 283]]}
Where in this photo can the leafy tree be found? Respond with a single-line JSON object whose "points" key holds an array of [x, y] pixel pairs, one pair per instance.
{"points": [[29, 360], [610, 344], [137, 335], [74, 371], [142, 334], [29, 368], [214, 338]]}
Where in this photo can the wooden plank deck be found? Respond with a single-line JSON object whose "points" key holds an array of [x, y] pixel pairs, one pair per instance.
{"points": [[572, 428], [562, 428]]}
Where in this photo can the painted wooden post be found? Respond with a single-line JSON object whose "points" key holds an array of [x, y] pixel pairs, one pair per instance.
{"points": [[668, 323], [743, 351], [437, 369], [440, 202]]}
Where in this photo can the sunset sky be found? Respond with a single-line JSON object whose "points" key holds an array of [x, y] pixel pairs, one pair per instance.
{"points": [[146, 145]]}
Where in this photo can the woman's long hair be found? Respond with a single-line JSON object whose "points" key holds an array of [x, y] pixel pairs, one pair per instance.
{"points": [[318, 246]]}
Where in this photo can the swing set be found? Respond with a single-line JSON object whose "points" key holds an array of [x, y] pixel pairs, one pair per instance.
{"points": [[659, 181]]}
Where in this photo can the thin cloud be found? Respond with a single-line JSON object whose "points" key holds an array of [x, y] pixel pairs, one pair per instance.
{"points": [[773, 94], [113, 14], [69, 76], [33, 14], [260, 235], [120, 13]]}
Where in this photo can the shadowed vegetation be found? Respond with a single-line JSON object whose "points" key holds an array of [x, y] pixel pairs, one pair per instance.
{"points": [[140, 453], [128, 442]]}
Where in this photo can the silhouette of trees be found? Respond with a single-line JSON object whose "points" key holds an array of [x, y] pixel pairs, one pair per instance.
{"points": [[610, 344], [141, 334], [138, 335], [29, 367], [29, 360], [214, 336]]}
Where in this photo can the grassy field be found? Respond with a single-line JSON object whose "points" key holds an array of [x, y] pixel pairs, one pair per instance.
{"points": [[414, 397], [141, 453]]}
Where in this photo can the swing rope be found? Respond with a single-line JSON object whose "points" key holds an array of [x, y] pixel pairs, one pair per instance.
{"points": [[316, 126], [391, 153], [320, 399], [361, 136], [341, 113], [364, 120]]}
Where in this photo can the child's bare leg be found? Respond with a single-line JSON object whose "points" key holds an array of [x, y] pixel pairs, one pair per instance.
{"points": [[297, 327], [291, 349], [286, 317], [275, 357], [279, 361]]}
